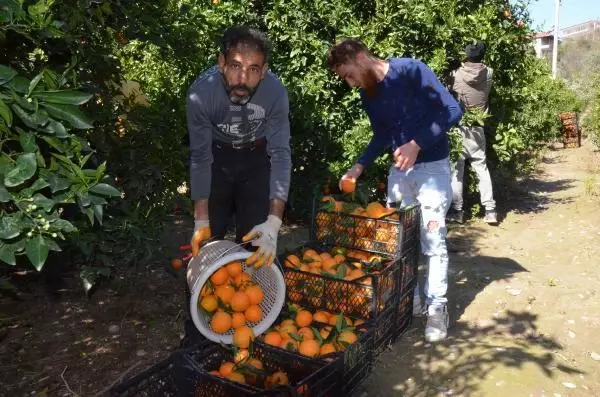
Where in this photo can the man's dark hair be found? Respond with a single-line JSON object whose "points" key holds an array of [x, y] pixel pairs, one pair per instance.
{"points": [[248, 37], [475, 52], [345, 51]]}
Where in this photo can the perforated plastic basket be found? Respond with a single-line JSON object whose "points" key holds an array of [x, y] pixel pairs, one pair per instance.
{"points": [[217, 254]]}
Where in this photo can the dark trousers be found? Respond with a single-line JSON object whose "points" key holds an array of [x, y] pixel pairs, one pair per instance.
{"points": [[239, 188]]}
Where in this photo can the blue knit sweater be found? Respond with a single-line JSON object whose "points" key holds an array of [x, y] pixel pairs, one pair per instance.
{"points": [[410, 103]]}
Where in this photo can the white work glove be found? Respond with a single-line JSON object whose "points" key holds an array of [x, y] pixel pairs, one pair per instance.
{"points": [[265, 236], [201, 233]]}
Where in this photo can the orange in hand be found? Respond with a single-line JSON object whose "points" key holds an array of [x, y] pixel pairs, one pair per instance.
{"points": [[348, 185]]}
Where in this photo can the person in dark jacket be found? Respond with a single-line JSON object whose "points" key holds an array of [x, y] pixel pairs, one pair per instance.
{"points": [[411, 113], [472, 83]]}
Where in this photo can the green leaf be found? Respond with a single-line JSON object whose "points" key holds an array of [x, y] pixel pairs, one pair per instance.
{"points": [[90, 276], [51, 79], [56, 128], [83, 200], [6, 113], [98, 211], [39, 184], [70, 114], [89, 211], [105, 189], [97, 200], [35, 82], [7, 253], [64, 225], [42, 201], [25, 168], [5, 196], [37, 250], [6, 74], [20, 84], [57, 183], [29, 120], [10, 227], [52, 245], [63, 97], [28, 143]]}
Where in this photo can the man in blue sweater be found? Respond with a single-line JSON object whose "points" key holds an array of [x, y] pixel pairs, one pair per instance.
{"points": [[410, 111]]}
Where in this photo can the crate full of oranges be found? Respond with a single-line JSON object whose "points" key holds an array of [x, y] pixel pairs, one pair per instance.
{"points": [[371, 227], [337, 279]]}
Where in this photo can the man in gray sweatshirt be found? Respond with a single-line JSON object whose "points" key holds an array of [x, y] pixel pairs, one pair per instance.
{"points": [[240, 158], [238, 122], [472, 83]]}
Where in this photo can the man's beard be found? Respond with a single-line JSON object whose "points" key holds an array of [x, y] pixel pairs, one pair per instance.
{"points": [[237, 98]]}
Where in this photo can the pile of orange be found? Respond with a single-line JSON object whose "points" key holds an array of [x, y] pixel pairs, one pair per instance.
{"points": [[248, 370], [338, 263], [313, 334], [232, 300]]}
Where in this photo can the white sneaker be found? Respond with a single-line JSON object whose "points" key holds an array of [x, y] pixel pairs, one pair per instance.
{"points": [[418, 308], [437, 323]]}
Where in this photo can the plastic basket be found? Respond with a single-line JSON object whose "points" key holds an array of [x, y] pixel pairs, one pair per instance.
{"points": [[187, 373], [410, 267], [362, 298], [217, 254], [405, 311], [383, 236]]}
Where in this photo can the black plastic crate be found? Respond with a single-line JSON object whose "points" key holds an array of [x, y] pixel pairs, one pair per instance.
{"points": [[405, 310], [187, 373], [364, 298], [384, 329], [356, 359], [410, 267], [384, 235]]}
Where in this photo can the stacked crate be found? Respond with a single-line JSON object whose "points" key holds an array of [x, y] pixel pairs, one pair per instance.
{"points": [[570, 129]]}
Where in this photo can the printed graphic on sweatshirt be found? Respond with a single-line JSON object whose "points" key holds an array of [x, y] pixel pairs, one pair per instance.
{"points": [[239, 128]]}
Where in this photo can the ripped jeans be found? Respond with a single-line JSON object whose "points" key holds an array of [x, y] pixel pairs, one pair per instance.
{"points": [[428, 184]]}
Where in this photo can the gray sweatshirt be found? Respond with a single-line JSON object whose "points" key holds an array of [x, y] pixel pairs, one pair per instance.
{"points": [[211, 116], [472, 83]]}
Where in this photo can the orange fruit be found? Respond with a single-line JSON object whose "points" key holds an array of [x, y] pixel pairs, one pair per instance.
{"points": [[321, 317], [306, 333], [325, 332], [234, 269], [289, 344], [238, 320], [215, 373], [358, 322], [333, 320], [255, 294], [254, 362], [347, 337], [311, 254], [277, 378], [325, 255], [305, 268], [375, 210], [348, 185], [292, 261], [209, 303], [242, 337], [220, 322], [273, 338], [226, 368], [241, 355], [236, 377], [253, 313], [242, 280], [287, 321], [286, 330], [330, 264], [327, 348], [339, 258], [219, 277], [309, 348], [239, 301], [176, 263], [304, 318], [225, 293]]}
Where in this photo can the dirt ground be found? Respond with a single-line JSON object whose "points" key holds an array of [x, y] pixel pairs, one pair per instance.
{"points": [[523, 299]]}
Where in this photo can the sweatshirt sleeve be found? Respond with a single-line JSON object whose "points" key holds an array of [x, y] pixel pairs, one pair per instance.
{"points": [[278, 147], [379, 141], [445, 111], [200, 133]]}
